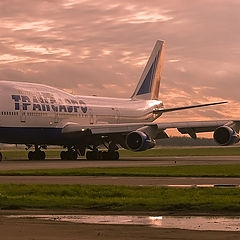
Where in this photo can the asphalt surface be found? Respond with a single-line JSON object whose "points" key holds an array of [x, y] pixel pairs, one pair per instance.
{"points": [[38, 229], [123, 162], [130, 181]]}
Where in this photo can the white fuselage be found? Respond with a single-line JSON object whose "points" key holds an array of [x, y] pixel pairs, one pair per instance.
{"points": [[39, 106]]}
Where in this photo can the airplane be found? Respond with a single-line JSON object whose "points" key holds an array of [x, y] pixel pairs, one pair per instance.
{"points": [[37, 116]]}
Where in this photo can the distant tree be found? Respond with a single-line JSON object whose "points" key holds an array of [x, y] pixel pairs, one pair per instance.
{"points": [[186, 141]]}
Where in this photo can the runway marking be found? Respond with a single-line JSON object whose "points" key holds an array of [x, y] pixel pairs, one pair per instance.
{"points": [[205, 186]]}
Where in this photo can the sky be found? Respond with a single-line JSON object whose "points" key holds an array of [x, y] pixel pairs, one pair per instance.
{"points": [[89, 47]]}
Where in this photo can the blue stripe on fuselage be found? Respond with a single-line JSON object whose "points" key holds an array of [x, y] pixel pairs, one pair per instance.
{"points": [[32, 135]]}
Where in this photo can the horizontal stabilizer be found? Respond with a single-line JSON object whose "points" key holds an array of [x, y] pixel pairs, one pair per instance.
{"points": [[160, 111]]}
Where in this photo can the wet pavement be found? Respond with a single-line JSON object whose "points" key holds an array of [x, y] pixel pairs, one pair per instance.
{"points": [[187, 222]]}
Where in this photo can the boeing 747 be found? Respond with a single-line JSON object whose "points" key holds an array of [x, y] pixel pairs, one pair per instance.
{"points": [[38, 116]]}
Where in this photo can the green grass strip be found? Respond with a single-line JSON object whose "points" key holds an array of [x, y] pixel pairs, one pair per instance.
{"points": [[163, 171], [120, 198], [164, 152]]}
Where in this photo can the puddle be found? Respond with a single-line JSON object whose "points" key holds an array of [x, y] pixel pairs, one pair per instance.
{"points": [[189, 223]]}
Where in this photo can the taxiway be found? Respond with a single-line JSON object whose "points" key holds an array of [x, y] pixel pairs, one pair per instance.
{"points": [[123, 162], [128, 181]]}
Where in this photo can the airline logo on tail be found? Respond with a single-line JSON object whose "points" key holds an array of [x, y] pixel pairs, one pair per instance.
{"points": [[148, 87]]}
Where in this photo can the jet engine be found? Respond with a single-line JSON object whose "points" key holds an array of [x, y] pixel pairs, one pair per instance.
{"points": [[139, 141], [225, 136]]}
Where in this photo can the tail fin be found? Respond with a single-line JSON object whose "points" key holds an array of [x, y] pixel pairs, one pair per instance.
{"points": [[149, 83]]}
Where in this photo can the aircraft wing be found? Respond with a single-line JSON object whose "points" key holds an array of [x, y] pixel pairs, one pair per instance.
{"points": [[191, 128], [104, 129]]}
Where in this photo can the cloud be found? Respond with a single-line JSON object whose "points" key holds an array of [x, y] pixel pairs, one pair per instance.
{"points": [[91, 47]]}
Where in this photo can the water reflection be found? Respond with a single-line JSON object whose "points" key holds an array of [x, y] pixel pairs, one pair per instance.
{"points": [[190, 222]]}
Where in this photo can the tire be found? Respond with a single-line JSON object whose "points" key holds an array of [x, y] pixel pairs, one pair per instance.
{"points": [[31, 155], [89, 155], [41, 155], [110, 155], [1, 157], [99, 155], [74, 155], [63, 155], [105, 156], [115, 155], [95, 155]]}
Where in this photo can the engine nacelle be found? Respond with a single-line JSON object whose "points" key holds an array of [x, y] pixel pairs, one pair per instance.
{"points": [[225, 136], [139, 141]]}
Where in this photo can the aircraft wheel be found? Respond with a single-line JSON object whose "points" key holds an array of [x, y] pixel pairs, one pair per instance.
{"points": [[115, 155], [110, 155], [99, 155], [41, 155], [89, 155], [36, 155], [105, 156], [73, 155], [92, 155], [63, 155], [31, 155], [95, 155], [68, 155]]}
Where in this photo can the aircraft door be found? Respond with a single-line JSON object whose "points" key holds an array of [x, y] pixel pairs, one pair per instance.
{"points": [[56, 117], [91, 117], [117, 115], [22, 114]]}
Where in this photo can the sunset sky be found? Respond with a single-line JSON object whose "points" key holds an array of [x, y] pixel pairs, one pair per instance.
{"points": [[100, 47]]}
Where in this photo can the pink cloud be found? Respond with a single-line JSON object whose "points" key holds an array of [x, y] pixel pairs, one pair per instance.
{"points": [[86, 45]]}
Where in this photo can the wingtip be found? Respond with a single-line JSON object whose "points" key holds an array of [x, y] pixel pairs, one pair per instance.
{"points": [[223, 102]]}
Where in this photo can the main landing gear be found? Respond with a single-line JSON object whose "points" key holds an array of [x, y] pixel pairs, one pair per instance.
{"points": [[111, 154], [37, 154], [70, 154]]}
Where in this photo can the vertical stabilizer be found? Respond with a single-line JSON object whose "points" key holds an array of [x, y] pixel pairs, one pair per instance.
{"points": [[149, 83]]}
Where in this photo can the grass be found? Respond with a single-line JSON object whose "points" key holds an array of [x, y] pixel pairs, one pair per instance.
{"points": [[164, 152], [23, 154], [163, 171], [120, 198], [157, 152]]}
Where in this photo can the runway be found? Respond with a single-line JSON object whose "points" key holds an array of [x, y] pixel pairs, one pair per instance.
{"points": [[128, 181], [123, 162], [65, 230]]}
